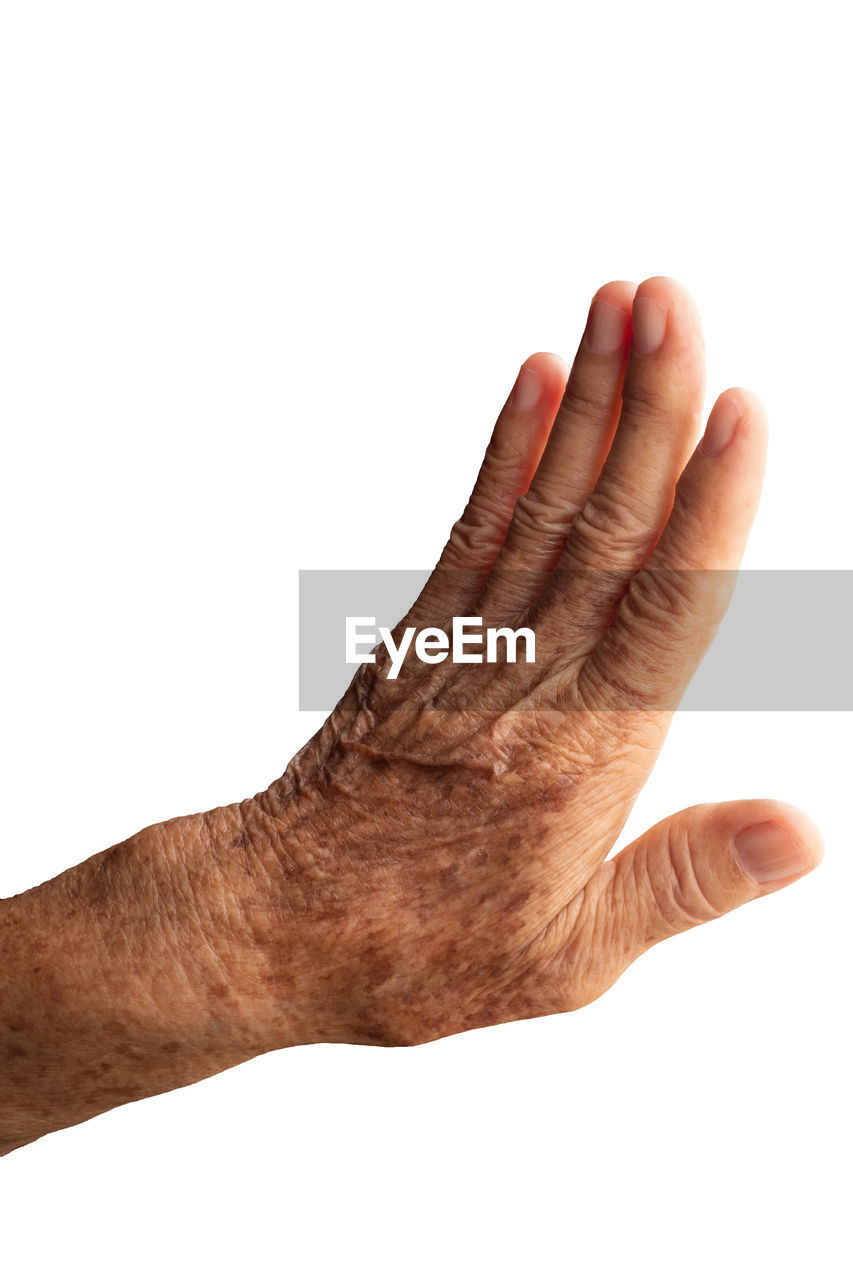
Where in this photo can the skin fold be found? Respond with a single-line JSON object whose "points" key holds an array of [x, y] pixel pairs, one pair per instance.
{"points": [[436, 858]]}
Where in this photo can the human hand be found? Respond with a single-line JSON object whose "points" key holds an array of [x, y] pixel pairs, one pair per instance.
{"points": [[433, 860], [444, 836]]}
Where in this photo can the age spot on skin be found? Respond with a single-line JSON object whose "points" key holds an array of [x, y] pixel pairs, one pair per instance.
{"points": [[378, 974], [518, 899], [448, 876], [374, 1034]]}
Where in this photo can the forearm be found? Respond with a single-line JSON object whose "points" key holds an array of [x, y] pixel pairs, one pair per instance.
{"points": [[113, 985]]}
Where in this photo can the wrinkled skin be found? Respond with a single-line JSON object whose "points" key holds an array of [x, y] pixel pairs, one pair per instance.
{"points": [[461, 843], [435, 858]]}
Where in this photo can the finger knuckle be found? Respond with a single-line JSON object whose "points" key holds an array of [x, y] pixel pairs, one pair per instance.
{"points": [[641, 403], [472, 539], [674, 896], [537, 520], [657, 598], [691, 898], [500, 478], [610, 524], [585, 401]]}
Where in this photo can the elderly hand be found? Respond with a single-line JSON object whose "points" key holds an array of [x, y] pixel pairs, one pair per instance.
{"points": [[435, 858]]}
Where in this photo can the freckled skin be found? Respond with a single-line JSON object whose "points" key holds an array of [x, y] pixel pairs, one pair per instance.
{"points": [[418, 821], [433, 860]]}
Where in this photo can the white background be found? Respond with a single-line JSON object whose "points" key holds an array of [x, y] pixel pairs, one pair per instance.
{"points": [[266, 275]]}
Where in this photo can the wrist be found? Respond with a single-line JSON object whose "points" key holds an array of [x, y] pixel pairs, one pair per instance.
{"points": [[125, 976]]}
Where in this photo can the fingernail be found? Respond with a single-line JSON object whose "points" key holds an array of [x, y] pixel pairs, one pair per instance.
{"points": [[607, 328], [722, 424], [768, 852], [649, 320], [527, 390]]}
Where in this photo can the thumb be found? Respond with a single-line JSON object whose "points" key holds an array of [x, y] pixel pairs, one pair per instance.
{"points": [[693, 867]]}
